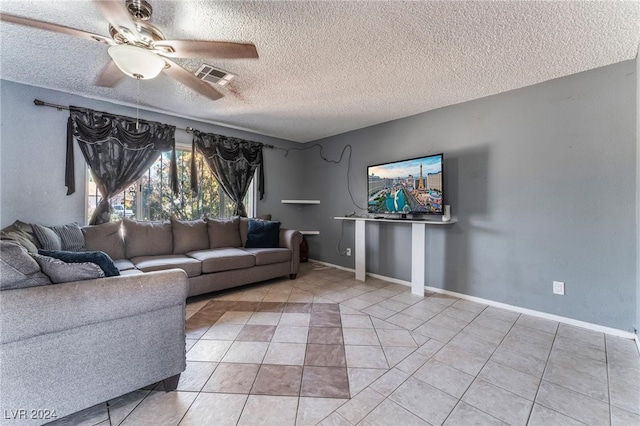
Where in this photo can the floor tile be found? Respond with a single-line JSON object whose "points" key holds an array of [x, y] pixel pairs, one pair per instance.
{"points": [[280, 380], [446, 378], [459, 314], [501, 314], [290, 334], [626, 397], [577, 381], [325, 319], [233, 317], [246, 352], [295, 319], [325, 382], [208, 350], [161, 408], [359, 406], [572, 404], [494, 323], [577, 362], [365, 357], [465, 414], [523, 344], [430, 347], [411, 363], [580, 347], [360, 336], [498, 402], [487, 334], [620, 417], [462, 360], [214, 409], [256, 333], [424, 400], [121, 407], [194, 377], [538, 323], [223, 332], [393, 305], [356, 321], [325, 335], [379, 324], [405, 321], [396, 338], [325, 355], [390, 413], [232, 378], [265, 318], [389, 382], [360, 378], [470, 343], [396, 354], [285, 354], [269, 410], [439, 331], [515, 381], [519, 361], [301, 308], [379, 311], [543, 416], [334, 419], [313, 410]]}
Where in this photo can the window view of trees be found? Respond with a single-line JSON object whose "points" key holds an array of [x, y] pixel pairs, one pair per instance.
{"points": [[151, 197]]}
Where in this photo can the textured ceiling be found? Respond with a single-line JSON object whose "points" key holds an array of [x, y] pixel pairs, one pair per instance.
{"points": [[330, 67]]}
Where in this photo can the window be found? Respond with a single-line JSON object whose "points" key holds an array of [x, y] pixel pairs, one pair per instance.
{"points": [[151, 198]]}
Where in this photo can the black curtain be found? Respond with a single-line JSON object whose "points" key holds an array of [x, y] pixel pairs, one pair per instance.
{"points": [[118, 150], [233, 162]]}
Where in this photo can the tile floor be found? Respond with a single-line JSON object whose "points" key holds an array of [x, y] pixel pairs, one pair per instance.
{"points": [[326, 349]]}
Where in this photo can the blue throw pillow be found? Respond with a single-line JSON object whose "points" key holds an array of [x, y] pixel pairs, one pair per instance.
{"points": [[100, 258], [263, 234]]}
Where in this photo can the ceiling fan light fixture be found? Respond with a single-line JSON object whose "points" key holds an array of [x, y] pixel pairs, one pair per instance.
{"points": [[136, 62]]}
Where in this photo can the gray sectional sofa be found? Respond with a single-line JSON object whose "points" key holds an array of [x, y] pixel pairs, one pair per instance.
{"points": [[66, 347], [212, 252]]}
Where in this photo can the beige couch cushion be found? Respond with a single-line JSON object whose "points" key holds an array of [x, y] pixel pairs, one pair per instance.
{"points": [[106, 237], [170, 261], [267, 256], [147, 238], [124, 264], [189, 235], [224, 233], [223, 259]]}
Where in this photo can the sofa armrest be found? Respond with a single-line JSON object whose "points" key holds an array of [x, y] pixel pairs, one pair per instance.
{"points": [[33, 311], [291, 239]]}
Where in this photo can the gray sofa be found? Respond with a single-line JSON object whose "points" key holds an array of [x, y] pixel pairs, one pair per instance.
{"points": [[212, 252], [66, 347]]}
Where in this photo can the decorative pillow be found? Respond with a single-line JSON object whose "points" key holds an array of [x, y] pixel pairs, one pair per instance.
{"points": [[18, 269], [47, 238], [61, 272], [100, 258], [263, 234], [106, 237], [147, 238], [23, 234], [71, 236], [224, 232], [189, 235]]}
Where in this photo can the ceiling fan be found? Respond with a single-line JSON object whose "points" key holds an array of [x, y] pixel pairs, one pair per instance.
{"points": [[139, 49]]}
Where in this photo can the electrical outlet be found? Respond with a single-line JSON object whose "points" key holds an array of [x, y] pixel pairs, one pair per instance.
{"points": [[558, 288], [348, 252]]}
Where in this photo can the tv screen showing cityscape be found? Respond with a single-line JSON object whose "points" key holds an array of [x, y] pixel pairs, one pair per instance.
{"points": [[412, 186]]}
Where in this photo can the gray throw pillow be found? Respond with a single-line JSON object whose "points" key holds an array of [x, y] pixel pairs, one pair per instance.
{"points": [[71, 236], [147, 238], [47, 238], [189, 235], [106, 237], [224, 232], [61, 272]]}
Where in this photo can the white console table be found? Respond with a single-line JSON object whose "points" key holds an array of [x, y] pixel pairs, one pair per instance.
{"points": [[418, 251]]}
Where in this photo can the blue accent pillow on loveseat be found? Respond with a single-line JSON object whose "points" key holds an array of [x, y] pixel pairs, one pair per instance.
{"points": [[263, 234]]}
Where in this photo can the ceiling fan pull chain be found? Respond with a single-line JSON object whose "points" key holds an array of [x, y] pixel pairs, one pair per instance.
{"points": [[138, 104]]}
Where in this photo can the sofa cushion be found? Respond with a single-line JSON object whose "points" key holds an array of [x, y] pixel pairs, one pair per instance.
{"points": [[223, 259], [147, 238], [100, 258], [224, 232], [18, 269], [267, 256], [124, 265], [62, 272], [244, 227], [263, 234], [106, 237], [170, 261], [189, 235], [22, 233], [47, 238]]}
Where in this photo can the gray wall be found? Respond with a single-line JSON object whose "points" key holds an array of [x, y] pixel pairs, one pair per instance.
{"points": [[32, 157], [637, 324], [542, 181]]}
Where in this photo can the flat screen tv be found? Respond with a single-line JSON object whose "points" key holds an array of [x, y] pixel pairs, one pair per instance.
{"points": [[413, 186]]}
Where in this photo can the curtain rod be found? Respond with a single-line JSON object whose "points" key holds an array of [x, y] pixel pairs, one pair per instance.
{"points": [[38, 102]]}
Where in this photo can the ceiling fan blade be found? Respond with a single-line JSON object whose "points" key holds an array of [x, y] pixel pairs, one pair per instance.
{"points": [[47, 26], [110, 75], [190, 80], [118, 16], [204, 49]]}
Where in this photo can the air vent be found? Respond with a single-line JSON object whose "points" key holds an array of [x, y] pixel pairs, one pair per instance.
{"points": [[214, 75]]}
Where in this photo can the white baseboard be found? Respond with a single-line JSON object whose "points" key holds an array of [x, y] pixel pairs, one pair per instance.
{"points": [[533, 313]]}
